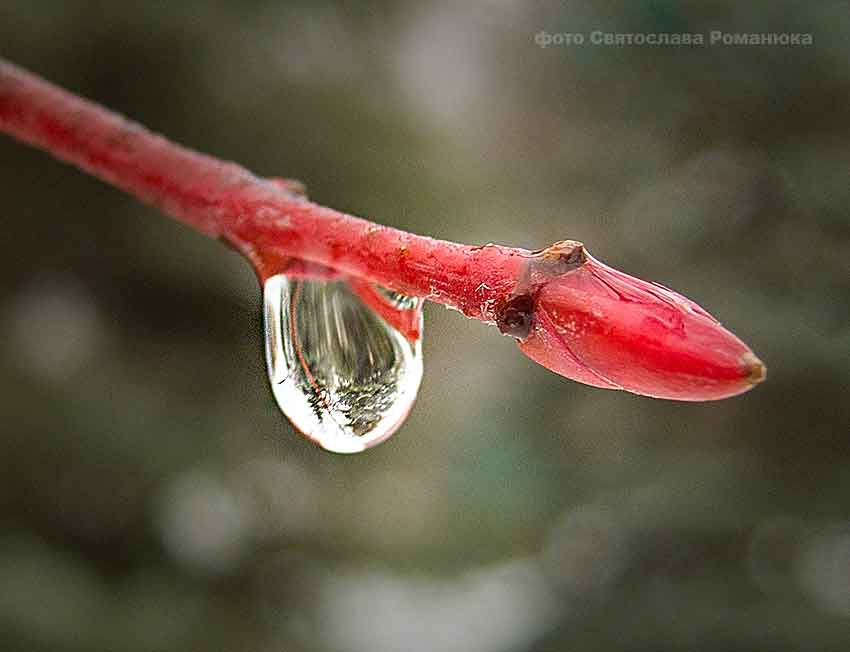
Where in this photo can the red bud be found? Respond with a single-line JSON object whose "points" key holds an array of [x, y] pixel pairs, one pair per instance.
{"points": [[602, 327]]}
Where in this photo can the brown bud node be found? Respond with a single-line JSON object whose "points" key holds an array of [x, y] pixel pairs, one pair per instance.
{"points": [[561, 257], [514, 318]]}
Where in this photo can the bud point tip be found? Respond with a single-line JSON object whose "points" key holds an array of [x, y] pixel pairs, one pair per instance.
{"points": [[757, 370]]}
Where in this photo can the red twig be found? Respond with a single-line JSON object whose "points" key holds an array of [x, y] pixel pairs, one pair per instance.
{"points": [[570, 313]]}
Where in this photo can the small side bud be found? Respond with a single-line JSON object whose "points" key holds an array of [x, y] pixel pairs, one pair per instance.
{"points": [[515, 317], [559, 258]]}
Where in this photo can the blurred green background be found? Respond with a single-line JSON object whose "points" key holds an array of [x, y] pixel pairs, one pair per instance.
{"points": [[152, 496]]}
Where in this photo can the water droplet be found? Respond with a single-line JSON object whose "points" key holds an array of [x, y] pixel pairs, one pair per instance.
{"points": [[340, 372]]}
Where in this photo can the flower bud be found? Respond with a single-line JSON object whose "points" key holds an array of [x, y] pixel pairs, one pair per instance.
{"points": [[605, 328]]}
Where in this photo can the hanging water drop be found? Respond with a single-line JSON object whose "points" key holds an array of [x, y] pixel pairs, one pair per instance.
{"points": [[344, 373]]}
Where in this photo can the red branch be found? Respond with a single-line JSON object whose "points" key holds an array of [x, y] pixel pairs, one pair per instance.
{"points": [[569, 312]]}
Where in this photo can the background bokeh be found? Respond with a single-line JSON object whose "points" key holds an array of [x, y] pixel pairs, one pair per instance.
{"points": [[152, 497]]}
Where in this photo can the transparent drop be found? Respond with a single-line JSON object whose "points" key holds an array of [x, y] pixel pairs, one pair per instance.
{"points": [[343, 375]]}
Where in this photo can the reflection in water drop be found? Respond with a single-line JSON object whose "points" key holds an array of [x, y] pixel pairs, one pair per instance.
{"points": [[345, 377]]}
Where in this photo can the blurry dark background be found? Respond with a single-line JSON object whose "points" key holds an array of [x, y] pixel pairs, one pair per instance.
{"points": [[152, 497]]}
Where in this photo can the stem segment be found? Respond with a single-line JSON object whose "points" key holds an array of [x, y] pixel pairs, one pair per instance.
{"points": [[266, 221]]}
